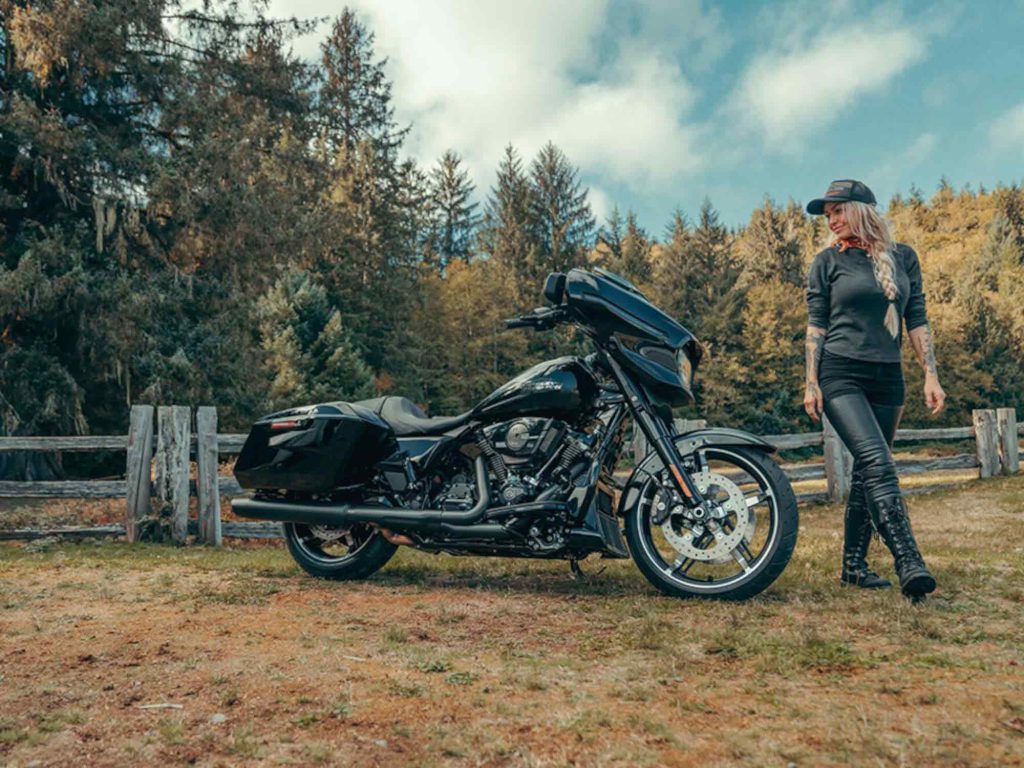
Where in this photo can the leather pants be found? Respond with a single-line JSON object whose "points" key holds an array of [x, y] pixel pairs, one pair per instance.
{"points": [[864, 402], [867, 429]]}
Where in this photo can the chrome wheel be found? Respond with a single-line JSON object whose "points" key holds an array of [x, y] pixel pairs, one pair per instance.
{"points": [[735, 546]]}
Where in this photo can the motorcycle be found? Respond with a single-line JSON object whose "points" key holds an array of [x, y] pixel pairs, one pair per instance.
{"points": [[529, 471]]}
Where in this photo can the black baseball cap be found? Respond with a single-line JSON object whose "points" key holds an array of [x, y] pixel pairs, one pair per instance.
{"points": [[841, 191]]}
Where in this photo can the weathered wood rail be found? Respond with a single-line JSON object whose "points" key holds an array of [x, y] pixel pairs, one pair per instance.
{"points": [[158, 469]]}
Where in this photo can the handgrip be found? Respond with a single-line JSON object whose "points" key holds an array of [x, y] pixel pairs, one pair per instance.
{"points": [[542, 319]]}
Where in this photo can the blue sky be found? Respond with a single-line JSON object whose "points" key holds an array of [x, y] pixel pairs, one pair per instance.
{"points": [[661, 104]]}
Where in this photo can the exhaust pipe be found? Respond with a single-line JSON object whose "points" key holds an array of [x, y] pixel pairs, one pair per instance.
{"points": [[323, 513]]}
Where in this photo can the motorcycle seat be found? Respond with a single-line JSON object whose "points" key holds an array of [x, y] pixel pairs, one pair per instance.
{"points": [[407, 419]]}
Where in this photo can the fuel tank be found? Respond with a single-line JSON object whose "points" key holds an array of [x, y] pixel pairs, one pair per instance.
{"points": [[563, 388]]}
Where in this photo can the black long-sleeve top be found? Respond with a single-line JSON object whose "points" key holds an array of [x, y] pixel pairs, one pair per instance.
{"points": [[844, 298]]}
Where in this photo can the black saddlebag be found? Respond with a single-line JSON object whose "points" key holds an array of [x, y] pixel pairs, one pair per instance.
{"points": [[314, 448]]}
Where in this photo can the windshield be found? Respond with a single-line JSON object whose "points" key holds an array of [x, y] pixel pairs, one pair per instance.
{"points": [[619, 281], [608, 304]]}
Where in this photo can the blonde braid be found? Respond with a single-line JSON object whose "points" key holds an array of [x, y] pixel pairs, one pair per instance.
{"points": [[882, 265]]}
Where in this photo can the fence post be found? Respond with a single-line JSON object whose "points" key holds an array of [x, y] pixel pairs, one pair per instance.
{"points": [[206, 476], [838, 462], [173, 466], [988, 449], [139, 470], [1006, 430]]}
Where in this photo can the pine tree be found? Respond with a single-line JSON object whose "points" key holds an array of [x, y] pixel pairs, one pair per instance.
{"points": [[454, 212], [609, 239], [559, 214], [695, 278], [672, 269], [808, 233], [1006, 253], [774, 326], [630, 257], [310, 356], [355, 95], [416, 220], [507, 233], [768, 249], [364, 261], [377, 226]]}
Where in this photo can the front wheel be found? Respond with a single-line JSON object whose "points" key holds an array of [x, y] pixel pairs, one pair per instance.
{"points": [[733, 553], [341, 554]]}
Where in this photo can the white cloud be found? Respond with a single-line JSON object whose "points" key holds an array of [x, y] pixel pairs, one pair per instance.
{"points": [[629, 126], [601, 204], [1007, 132], [896, 170], [920, 148], [474, 76], [787, 95]]}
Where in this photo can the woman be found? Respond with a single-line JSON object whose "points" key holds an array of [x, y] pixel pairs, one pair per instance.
{"points": [[860, 292]]}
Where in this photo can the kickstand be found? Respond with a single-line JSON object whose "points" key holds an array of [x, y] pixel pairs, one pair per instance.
{"points": [[578, 573]]}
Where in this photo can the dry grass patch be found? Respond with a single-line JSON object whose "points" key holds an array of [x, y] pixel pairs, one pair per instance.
{"points": [[464, 661]]}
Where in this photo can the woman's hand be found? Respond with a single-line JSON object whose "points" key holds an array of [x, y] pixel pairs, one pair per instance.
{"points": [[814, 404], [934, 397], [814, 345]]}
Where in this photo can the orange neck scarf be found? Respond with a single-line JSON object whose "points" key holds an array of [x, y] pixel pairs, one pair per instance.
{"points": [[853, 242]]}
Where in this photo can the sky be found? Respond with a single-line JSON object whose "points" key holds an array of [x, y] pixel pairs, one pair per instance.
{"points": [[663, 103]]}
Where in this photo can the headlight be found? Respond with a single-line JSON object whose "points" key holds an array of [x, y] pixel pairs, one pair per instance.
{"points": [[685, 368]]}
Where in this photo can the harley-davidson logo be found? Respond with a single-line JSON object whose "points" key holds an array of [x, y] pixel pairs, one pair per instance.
{"points": [[541, 386]]}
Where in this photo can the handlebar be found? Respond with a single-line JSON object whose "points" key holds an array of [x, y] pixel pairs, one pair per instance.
{"points": [[541, 319]]}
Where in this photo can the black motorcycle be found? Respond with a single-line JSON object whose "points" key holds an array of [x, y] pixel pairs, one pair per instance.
{"points": [[529, 471]]}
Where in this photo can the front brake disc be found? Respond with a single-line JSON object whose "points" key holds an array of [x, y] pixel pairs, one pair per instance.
{"points": [[678, 530]]}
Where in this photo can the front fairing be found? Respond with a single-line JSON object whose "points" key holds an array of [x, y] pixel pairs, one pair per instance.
{"points": [[666, 374], [657, 350]]}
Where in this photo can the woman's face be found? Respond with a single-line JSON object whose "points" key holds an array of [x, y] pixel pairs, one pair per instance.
{"points": [[836, 216]]}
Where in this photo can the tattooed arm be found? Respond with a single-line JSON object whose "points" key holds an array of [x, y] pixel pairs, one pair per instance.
{"points": [[814, 345], [924, 347]]}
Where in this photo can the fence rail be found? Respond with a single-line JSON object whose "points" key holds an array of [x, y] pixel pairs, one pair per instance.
{"points": [[158, 468]]}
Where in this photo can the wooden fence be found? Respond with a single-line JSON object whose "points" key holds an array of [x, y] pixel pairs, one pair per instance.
{"points": [[158, 474]]}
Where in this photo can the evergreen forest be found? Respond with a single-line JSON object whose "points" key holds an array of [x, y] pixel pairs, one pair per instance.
{"points": [[192, 214]]}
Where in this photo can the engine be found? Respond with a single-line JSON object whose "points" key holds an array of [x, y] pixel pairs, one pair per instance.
{"points": [[520, 452], [528, 458]]}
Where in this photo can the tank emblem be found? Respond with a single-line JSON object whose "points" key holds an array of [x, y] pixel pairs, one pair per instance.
{"points": [[542, 386]]}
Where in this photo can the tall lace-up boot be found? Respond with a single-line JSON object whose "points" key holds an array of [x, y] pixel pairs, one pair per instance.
{"points": [[857, 531], [893, 524]]}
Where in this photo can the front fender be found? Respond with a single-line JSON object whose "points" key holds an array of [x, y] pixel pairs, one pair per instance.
{"points": [[687, 444]]}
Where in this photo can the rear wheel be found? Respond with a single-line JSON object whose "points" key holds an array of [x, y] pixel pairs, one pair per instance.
{"points": [[732, 554], [354, 552]]}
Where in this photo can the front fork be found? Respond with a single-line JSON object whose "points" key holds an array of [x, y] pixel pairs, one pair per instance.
{"points": [[657, 434]]}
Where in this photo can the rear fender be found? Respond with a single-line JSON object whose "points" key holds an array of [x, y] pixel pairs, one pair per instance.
{"points": [[712, 437]]}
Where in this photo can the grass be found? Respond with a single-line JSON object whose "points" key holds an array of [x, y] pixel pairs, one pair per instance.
{"points": [[466, 661]]}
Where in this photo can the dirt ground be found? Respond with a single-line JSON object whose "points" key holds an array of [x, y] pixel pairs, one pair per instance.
{"points": [[113, 654]]}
